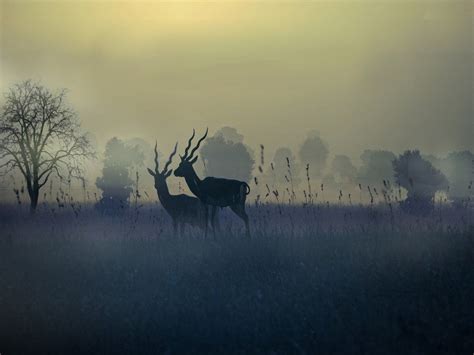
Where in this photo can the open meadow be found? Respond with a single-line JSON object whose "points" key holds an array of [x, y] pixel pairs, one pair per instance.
{"points": [[317, 279], [236, 177]]}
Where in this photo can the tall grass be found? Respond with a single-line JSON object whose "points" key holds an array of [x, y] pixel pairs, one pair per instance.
{"points": [[319, 278]]}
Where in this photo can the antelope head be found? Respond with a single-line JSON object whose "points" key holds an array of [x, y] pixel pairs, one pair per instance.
{"points": [[188, 159], [160, 177]]}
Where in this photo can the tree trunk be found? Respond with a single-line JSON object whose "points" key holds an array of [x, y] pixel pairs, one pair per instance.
{"points": [[34, 200]]}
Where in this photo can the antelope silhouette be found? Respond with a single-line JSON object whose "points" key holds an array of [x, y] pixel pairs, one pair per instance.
{"points": [[182, 208], [212, 191]]}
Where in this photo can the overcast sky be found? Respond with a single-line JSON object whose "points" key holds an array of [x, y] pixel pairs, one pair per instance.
{"points": [[380, 74]]}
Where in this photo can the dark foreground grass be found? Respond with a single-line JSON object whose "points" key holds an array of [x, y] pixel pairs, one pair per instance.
{"points": [[82, 283]]}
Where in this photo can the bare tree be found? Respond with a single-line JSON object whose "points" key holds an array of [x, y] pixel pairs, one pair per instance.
{"points": [[40, 135]]}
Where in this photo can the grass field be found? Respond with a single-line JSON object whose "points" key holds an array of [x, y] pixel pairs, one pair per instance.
{"points": [[316, 279]]}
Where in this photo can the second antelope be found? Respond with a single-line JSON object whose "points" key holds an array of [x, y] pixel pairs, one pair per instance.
{"points": [[216, 192], [183, 209]]}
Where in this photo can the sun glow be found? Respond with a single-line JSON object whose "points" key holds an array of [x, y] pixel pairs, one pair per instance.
{"points": [[252, 63]]}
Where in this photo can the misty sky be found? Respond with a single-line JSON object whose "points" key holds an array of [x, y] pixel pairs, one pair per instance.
{"points": [[381, 74]]}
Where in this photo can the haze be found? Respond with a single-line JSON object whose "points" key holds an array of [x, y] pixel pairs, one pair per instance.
{"points": [[385, 75]]}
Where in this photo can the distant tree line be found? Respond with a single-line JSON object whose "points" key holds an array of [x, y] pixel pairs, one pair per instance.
{"points": [[40, 136]]}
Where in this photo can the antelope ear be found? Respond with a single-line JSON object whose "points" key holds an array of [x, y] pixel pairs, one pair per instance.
{"points": [[152, 173], [194, 160], [168, 173]]}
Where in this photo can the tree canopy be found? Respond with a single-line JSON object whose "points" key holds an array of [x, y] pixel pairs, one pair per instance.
{"points": [[376, 167], [227, 158], [314, 151], [418, 176], [343, 169], [115, 182], [40, 135]]}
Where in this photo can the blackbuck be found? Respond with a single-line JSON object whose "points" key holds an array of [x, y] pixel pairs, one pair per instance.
{"points": [[215, 192], [182, 208]]}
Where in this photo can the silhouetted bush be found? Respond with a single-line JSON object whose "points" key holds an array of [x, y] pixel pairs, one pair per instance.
{"points": [[115, 182], [420, 179]]}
